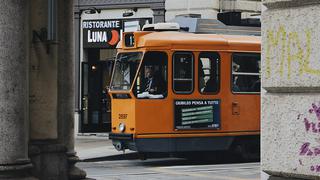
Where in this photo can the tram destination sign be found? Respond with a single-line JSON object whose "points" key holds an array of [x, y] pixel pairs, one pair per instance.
{"points": [[197, 114]]}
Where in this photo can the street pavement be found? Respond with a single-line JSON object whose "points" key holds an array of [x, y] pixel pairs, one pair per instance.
{"points": [[91, 147], [169, 169], [102, 162]]}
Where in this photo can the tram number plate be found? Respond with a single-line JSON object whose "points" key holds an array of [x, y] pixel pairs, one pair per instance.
{"points": [[197, 114], [123, 116]]}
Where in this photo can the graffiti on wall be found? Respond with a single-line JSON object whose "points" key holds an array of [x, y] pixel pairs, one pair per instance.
{"points": [[291, 47], [311, 125]]}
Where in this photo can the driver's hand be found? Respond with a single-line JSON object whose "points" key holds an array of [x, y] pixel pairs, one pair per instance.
{"points": [[152, 90]]}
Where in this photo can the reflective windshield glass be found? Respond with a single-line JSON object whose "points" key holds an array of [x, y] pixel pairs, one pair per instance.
{"points": [[125, 70]]}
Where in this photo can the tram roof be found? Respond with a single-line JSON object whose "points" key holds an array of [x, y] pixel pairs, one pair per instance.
{"points": [[196, 41]]}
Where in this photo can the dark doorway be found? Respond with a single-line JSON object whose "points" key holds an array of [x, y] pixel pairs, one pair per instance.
{"points": [[96, 103]]}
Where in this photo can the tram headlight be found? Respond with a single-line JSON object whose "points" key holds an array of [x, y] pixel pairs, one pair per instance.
{"points": [[122, 127]]}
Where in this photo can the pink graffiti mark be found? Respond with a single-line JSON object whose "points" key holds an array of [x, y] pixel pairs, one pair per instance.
{"points": [[315, 168], [315, 109], [311, 126], [306, 150]]}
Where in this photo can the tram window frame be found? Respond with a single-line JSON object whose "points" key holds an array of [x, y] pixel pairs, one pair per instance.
{"points": [[215, 58], [192, 72], [244, 73], [148, 65]]}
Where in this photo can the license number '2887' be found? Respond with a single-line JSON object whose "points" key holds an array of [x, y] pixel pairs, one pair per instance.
{"points": [[123, 116]]}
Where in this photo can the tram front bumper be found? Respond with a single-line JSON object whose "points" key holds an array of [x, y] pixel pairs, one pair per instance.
{"points": [[122, 141]]}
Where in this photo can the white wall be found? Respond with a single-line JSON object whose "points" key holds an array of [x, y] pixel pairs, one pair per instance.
{"points": [[207, 8], [210, 8]]}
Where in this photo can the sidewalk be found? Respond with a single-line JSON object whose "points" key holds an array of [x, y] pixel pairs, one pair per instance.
{"points": [[95, 147]]}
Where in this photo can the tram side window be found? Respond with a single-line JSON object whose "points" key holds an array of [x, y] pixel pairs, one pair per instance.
{"points": [[246, 73], [183, 72], [208, 72], [152, 78]]}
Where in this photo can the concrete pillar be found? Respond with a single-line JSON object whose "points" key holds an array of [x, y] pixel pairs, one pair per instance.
{"points": [[290, 124], [14, 162], [48, 155], [66, 85], [52, 95], [77, 36]]}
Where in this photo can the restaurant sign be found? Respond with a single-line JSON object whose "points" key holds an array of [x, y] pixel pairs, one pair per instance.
{"points": [[101, 33]]}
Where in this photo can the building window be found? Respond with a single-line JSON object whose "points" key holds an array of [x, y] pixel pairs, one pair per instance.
{"points": [[246, 73], [183, 72], [208, 69]]}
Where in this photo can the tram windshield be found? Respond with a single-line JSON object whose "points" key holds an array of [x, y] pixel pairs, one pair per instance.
{"points": [[125, 69]]}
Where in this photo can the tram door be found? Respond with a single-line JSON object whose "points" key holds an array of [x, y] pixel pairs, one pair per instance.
{"points": [[96, 103]]}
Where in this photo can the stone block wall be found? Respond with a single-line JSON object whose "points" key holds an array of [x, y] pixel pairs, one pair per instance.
{"points": [[290, 122]]}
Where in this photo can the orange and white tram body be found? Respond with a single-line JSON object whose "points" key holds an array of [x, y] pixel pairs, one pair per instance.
{"points": [[209, 98]]}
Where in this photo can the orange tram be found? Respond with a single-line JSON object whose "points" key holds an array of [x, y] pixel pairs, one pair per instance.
{"points": [[178, 92]]}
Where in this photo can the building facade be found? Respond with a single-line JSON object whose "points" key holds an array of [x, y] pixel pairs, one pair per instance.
{"points": [[99, 25]]}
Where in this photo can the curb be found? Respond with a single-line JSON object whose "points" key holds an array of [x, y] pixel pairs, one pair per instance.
{"points": [[127, 156]]}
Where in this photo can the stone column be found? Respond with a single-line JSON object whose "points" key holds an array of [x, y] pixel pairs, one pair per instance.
{"points": [[66, 85], [77, 32], [77, 28], [14, 162], [52, 95], [48, 155], [290, 124]]}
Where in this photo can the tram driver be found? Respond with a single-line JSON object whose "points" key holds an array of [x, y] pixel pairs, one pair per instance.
{"points": [[152, 84]]}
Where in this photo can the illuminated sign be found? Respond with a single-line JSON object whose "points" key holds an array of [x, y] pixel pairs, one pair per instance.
{"points": [[101, 33], [106, 33], [195, 114]]}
